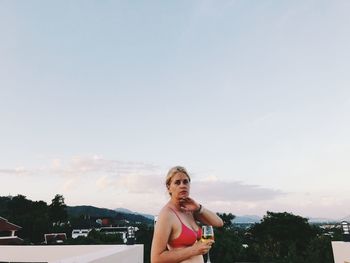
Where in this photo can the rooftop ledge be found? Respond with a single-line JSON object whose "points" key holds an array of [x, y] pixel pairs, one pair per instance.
{"points": [[73, 253], [341, 251]]}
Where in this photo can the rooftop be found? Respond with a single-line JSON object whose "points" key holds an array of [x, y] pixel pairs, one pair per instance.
{"points": [[73, 253]]}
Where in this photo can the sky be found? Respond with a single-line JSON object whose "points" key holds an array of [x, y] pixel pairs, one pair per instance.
{"points": [[99, 99]]}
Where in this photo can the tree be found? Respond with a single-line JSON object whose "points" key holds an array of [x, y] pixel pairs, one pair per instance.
{"points": [[40, 221], [31, 216], [19, 206], [282, 237], [227, 245], [57, 210], [19, 213], [227, 219], [320, 250]]}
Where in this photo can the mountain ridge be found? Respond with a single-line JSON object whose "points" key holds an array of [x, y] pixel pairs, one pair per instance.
{"points": [[92, 211], [127, 211], [251, 219]]}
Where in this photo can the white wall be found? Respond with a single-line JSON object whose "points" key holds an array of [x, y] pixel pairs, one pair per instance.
{"points": [[341, 251], [73, 254]]}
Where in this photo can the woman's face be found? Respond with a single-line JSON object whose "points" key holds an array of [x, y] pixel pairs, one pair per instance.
{"points": [[179, 186]]}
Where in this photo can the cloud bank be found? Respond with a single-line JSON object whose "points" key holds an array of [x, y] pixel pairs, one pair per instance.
{"points": [[139, 186], [137, 178]]}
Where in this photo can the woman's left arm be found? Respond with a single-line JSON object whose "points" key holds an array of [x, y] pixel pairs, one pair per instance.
{"points": [[201, 213], [208, 217]]}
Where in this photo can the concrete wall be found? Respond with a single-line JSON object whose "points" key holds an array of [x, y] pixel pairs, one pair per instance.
{"points": [[341, 251], [73, 254]]}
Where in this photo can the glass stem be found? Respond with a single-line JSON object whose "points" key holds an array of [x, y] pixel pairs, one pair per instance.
{"points": [[208, 258]]}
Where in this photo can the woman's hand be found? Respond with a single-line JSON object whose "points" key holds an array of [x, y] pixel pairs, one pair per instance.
{"points": [[202, 247], [188, 204], [205, 216]]}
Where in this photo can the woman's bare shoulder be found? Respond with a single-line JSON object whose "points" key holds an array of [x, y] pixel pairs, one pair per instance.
{"points": [[165, 213], [165, 219], [168, 216]]}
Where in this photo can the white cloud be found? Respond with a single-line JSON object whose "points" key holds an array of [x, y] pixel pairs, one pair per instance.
{"points": [[81, 165], [103, 182], [140, 178], [71, 184], [140, 187], [233, 191], [15, 171]]}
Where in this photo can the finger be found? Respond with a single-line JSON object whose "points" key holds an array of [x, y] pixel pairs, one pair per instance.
{"points": [[184, 209], [188, 199], [208, 242]]}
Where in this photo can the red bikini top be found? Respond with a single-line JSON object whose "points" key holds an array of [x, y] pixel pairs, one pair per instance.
{"points": [[187, 236]]}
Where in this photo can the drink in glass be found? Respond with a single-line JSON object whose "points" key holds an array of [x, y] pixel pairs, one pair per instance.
{"points": [[207, 234]]}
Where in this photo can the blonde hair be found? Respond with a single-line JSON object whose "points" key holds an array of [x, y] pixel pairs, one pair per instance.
{"points": [[173, 171]]}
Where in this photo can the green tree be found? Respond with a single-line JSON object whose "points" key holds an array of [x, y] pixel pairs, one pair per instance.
{"points": [[4, 206], [40, 221], [282, 237], [19, 213], [57, 210], [102, 238], [19, 206], [228, 245], [227, 219], [320, 250], [31, 216]]}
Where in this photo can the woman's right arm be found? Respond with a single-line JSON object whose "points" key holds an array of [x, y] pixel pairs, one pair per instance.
{"points": [[160, 252]]}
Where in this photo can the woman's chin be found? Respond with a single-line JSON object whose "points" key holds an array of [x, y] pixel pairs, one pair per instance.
{"points": [[183, 195]]}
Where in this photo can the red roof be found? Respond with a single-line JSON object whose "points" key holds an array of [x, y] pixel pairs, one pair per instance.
{"points": [[7, 226]]}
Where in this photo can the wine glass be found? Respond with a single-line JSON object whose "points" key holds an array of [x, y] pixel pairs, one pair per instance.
{"points": [[207, 234]]}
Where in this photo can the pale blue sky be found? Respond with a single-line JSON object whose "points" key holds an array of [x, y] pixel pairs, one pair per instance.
{"points": [[100, 98]]}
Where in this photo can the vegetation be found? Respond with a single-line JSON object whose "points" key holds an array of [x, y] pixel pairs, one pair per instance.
{"points": [[92, 212], [277, 238], [284, 237], [37, 218], [96, 238], [57, 210]]}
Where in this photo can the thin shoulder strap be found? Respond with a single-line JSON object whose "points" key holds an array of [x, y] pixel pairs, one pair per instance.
{"points": [[176, 215]]}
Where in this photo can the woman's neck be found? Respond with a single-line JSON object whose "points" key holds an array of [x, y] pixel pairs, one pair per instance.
{"points": [[175, 204]]}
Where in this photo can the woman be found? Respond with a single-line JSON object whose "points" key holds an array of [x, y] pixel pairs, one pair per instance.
{"points": [[176, 233]]}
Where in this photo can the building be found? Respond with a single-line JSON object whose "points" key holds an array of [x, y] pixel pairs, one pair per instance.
{"points": [[8, 233], [80, 233], [127, 233], [55, 238]]}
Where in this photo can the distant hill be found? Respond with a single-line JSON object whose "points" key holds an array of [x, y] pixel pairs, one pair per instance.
{"points": [[247, 219], [123, 210], [251, 219], [322, 220], [127, 211], [91, 211]]}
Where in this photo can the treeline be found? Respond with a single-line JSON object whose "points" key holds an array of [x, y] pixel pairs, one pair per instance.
{"points": [[35, 217], [96, 212], [38, 218], [278, 238]]}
